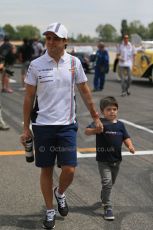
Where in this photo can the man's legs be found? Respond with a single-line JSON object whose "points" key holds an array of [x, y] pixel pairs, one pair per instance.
{"points": [[46, 183], [96, 80], [102, 80], [24, 70], [66, 178], [128, 83], [122, 77], [67, 159], [5, 83]]}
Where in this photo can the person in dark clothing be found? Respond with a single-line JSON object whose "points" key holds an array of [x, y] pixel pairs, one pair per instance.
{"points": [[101, 67], [7, 53], [108, 149], [26, 52]]}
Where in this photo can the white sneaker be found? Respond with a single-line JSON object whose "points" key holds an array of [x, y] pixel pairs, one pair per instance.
{"points": [[22, 89], [4, 126]]}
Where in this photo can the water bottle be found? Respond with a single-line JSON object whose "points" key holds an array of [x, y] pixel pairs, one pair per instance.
{"points": [[29, 150]]}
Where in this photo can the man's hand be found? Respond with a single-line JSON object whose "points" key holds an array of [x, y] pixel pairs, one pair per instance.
{"points": [[27, 134], [98, 125]]}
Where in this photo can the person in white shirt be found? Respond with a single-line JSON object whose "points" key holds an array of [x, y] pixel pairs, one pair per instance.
{"points": [[50, 104], [37, 47], [126, 55]]}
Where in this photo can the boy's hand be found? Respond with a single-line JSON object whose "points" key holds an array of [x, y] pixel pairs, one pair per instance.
{"points": [[131, 149]]}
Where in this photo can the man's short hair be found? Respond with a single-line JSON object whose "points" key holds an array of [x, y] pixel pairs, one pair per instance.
{"points": [[108, 101], [126, 36]]}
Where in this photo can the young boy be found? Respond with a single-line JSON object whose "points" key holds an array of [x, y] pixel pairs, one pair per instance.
{"points": [[108, 149]]}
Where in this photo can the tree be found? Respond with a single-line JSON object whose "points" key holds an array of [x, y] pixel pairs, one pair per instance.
{"points": [[150, 30], [137, 27], [10, 31], [27, 31], [83, 38], [107, 32]]}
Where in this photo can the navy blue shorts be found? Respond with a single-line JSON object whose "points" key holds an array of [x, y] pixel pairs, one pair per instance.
{"points": [[55, 141]]}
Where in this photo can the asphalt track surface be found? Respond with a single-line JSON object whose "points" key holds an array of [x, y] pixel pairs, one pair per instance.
{"points": [[21, 203]]}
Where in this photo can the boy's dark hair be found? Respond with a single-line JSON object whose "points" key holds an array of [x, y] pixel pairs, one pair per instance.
{"points": [[108, 101]]}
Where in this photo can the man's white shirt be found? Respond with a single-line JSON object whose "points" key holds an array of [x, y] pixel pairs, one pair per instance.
{"points": [[126, 53], [55, 97]]}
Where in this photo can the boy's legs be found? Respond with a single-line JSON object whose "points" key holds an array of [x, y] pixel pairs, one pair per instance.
{"points": [[108, 172], [115, 169], [106, 180]]}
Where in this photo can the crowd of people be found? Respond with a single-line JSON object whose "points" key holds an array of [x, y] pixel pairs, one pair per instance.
{"points": [[52, 113], [9, 54]]}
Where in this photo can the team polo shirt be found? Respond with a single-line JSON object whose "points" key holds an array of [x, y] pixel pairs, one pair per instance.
{"points": [[109, 142], [126, 52], [55, 96]]}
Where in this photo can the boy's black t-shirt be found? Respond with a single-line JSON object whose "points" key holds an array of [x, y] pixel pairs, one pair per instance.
{"points": [[109, 142]]}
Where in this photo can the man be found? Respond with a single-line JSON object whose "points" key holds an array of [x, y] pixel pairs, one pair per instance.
{"points": [[7, 51], [37, 47], [25, 56], [101, 67], [50, 82], [125, 55]]}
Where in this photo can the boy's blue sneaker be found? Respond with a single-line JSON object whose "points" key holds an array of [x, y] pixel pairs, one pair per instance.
{"points": [[108, 213]]}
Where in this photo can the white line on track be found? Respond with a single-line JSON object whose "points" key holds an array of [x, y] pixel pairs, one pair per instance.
{"points": [[137, 153], [136, 126]]}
